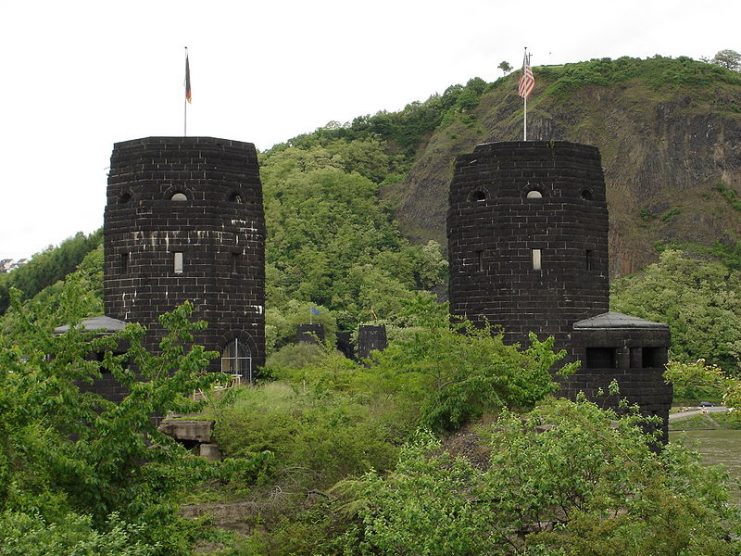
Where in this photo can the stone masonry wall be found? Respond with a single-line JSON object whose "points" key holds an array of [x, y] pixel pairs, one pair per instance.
{"points": [[493, 228], [218, 233]]}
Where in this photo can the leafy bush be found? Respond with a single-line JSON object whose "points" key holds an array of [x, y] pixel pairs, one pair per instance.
{"points": [[70, 459], [30, 534], [317, 436], [465, 372]]}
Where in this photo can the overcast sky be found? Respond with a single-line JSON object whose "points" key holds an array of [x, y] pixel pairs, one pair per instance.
{"points": [[76, 76]]}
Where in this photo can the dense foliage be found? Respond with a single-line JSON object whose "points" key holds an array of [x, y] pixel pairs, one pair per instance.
{"points": [[700, 300], [331, 417], [332, 243], [567, 478], [405, 131], [47, 267]]}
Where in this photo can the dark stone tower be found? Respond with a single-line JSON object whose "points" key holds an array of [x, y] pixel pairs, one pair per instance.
{"points": [[184, 221], [527, 244], [527, 237]]}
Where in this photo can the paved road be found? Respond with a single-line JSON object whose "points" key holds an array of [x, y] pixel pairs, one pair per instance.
{"points": [[697, 411]]}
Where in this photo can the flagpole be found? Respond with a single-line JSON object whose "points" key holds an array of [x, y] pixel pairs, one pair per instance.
{"points": [[524, 126]]}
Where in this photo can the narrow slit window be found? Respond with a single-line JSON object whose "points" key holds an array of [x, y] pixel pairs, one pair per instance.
{"points": [[536, 259], [589, 258], [178, 263], [125, 262], [235, 262], [480, 261]]}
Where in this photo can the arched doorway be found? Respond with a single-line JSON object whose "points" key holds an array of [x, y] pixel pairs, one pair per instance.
{"points": [[236, 359]]}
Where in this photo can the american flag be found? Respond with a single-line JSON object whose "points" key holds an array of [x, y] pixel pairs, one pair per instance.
{"points": [[527, 81]]}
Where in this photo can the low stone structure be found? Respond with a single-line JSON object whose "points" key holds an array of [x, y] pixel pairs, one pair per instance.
{"points": [[371, 337], [107, 386], [310, 333]]}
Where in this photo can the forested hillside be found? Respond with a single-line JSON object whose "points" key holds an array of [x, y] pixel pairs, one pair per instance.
{"points": [[47, 267]]}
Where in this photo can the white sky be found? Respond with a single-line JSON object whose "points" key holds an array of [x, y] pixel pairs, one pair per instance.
{"points": [[77, 76]]}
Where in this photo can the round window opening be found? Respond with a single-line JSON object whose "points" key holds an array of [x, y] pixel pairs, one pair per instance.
{"points": [[586, 195], [534, 194], [125, 198], [179, 197]]}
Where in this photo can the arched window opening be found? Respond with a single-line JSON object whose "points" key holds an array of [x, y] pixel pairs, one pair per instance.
{"points": [[586, 195], [478, 197], [534, 194], [179, 196], [124, 198], [236, 359], [236, 198]]}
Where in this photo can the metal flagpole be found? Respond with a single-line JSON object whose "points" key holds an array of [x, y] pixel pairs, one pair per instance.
{"points": [[524, 126]]}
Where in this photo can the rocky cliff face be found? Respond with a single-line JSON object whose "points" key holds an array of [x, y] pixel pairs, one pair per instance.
{"points": [[671, 157]]}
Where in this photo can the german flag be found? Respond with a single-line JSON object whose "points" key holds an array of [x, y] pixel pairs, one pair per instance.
{"points": [[188, 95]]}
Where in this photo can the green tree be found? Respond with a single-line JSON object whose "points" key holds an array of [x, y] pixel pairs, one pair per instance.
{"points": [[729, 59], [67, 454], [699, 381], [505, 67], [332, 242]]}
